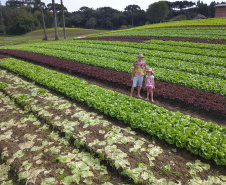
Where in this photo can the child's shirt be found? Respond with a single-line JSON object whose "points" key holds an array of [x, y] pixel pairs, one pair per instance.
{"points": [[139, 68], [150, 80]]}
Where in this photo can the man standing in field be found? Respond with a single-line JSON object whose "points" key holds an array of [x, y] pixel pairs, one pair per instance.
{"points": [[138, 70]]}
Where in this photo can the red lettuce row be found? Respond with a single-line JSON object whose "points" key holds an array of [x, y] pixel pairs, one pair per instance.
{"points": [[208, 101], [145, 38], [2, 56]]}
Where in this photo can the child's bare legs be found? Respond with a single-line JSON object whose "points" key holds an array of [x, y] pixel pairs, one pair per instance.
{"points": [[148, 92], [151, 92]]}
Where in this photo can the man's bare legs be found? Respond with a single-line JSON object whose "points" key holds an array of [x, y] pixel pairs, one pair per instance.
{"points": [[132, 90], [138, 93]]}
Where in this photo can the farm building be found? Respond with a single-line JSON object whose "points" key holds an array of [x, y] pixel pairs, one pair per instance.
{"points": [[220, 10]]}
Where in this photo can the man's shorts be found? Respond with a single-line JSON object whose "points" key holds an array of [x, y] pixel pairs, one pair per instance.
{"points": [[137, 80]]}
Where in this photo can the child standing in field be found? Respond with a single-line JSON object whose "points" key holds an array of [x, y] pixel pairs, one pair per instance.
{"points": [[150, 84]]}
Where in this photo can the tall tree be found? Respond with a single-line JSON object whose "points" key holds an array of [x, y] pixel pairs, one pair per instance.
{"points": [[57, 7], [91, 23], [55, 20], [43, 21], [158, 11], [63, 20], [203, 9], [132, 9], [212, 8], [21, 20], [85, 14], [104, 17], [2, 19], [13, 3]]}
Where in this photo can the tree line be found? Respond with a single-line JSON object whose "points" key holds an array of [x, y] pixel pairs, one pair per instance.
{"points": [[23, 16]]}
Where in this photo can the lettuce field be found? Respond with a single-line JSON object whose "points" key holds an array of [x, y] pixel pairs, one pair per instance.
{"points": [[67, 117]]}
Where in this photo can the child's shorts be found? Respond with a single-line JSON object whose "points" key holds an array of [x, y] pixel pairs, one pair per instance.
{"points": [[149, 87], [137, 80]]}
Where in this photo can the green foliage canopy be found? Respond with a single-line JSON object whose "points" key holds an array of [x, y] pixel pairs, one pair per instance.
{"points": [[20, 21], [158, 11]]}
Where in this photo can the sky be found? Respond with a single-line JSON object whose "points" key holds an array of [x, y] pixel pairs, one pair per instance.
{"points": [[75, 5]]}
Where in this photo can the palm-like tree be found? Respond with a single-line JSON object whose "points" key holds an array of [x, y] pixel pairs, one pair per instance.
{"points": [[62, 8], [55, 20], [43, 20], [132, 9], [3, 25]]}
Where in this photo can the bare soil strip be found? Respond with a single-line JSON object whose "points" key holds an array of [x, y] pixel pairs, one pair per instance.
{"points": [[146, 38]]}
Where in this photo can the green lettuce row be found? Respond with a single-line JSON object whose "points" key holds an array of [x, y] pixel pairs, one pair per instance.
{"points": [[133, 48], [153, 46], [174, 32], [187, 50], [188, 44], [119, 159], [196, 22], [199, 137], [201, 69], [196, 81]]}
